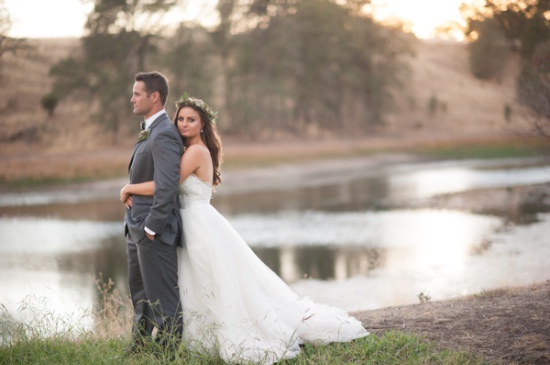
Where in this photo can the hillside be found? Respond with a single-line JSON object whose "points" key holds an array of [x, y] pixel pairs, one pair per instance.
{"points": [[463, 104], [462, 110]]}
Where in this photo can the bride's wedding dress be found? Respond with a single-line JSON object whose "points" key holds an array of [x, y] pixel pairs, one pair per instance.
{"points": [[234, 305]]}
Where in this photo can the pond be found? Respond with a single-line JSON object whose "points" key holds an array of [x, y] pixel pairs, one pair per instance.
{"points": [[345, 232]]}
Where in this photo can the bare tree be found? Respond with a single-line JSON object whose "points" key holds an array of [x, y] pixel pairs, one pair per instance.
{"points": [[7, 43]]}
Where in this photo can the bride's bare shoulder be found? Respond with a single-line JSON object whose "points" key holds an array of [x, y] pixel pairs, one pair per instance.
{"points": [[196, 147], [196, 152]]}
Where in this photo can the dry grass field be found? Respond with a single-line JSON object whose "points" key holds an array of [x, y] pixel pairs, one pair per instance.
{"points": [[68, 145], [463, 104]]}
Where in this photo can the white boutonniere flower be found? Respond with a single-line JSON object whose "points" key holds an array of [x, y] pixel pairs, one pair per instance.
{"points": [[143, 135]]}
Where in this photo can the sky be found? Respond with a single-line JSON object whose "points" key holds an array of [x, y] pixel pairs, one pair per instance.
{"points": [[424, 15], [66, 18]]}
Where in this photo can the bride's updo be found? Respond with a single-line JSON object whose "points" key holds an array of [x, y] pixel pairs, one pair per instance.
{"points": [[209, 134]]}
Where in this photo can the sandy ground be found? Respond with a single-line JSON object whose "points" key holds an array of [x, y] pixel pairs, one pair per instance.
{"points": [[505, 326]]}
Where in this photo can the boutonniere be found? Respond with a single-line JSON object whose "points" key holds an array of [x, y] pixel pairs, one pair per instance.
{"points": [[143, 135]]}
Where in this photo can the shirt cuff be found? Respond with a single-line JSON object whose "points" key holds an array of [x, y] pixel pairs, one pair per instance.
{"points": [[149, 231]]}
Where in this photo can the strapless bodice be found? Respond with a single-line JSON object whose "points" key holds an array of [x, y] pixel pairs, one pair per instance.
{"points": [[193, 190]]}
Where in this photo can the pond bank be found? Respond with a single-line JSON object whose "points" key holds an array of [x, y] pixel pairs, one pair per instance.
{"points": [[43, 169], [505, 326]]}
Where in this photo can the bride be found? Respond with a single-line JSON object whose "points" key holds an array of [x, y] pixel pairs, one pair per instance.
{"points": [[233, 304]]}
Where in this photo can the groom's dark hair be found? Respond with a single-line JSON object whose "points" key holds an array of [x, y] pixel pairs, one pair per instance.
{"points": [[154, 81]]}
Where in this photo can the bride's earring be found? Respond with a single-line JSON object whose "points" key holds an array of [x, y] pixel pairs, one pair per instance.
{"points": [[201, 131]]}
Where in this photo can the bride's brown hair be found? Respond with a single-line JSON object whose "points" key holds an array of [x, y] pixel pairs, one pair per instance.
{"points": [[209, 134]]}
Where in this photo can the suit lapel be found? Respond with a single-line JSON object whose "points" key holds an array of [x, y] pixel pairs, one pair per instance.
{"points": [[133, 154], [156, 122]]}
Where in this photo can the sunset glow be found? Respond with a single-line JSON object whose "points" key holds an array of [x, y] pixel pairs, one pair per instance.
{"points": [[44, 21], [421, 16], [47, 19]]}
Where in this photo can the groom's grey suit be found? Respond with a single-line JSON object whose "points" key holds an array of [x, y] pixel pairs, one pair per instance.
{"points": [[152, 265]]}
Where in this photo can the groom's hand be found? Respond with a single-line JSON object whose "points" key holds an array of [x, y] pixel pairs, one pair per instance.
{"points": [[150, 236]]}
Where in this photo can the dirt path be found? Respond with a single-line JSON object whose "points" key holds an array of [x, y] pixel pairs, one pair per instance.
{"points": [[505, 326]]}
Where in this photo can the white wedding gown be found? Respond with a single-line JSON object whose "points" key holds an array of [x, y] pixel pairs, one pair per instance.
{"points": [[234, 305]]}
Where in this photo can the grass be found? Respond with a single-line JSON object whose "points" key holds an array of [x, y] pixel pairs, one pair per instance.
{"points": [[485, 151], [47, 339], [30, 183], [390, 348], [510, 149], [62, 169]]}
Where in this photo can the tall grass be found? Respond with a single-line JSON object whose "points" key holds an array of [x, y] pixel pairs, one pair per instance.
{"points": [[47, 339]]}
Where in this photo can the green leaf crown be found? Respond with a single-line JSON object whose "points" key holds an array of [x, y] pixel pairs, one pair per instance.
{"points": [[185, 100]]}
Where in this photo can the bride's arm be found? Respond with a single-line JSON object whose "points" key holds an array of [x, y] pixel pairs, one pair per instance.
{"points": [[191, 161], [144, 188]]}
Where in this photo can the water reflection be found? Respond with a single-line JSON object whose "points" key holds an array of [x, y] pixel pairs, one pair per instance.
{"points": [[354, 241], [383, 229], [386, 187], [450, 179], [518, 256], [58, 258], [412, 243], [321, 262]]}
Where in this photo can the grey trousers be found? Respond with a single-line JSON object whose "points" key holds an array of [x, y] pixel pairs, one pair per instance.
{"points": [[153, 281]]}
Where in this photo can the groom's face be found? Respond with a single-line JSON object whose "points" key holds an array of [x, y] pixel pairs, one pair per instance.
{"points": [[143, 104]]}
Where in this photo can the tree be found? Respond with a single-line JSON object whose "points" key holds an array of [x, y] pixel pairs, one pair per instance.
{"points": [[49, 103], [488, 52], [191, 61], [521, 21], [533, 87], [315, 63], [524, 23], [8, 44], [268, 65], [118, 41]]}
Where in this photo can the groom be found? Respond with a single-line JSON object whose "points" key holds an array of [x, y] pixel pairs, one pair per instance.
{"points": [[152, 223]]}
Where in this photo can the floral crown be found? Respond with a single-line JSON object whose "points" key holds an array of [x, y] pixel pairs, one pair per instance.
{"points": [[185, 100]]}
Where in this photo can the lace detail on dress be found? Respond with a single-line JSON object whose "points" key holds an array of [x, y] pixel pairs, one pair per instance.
{"points": [[194, 190]]}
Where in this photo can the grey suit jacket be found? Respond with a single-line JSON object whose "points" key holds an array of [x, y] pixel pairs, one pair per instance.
{"points": [[156, 158]]}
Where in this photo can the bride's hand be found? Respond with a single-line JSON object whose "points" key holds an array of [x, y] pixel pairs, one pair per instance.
{"points": [[124, 195], [128, 202]]}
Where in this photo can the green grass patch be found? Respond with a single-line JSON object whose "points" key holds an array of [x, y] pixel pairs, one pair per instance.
{"points": [[483, 151], [391, 348], [30, 183]]}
